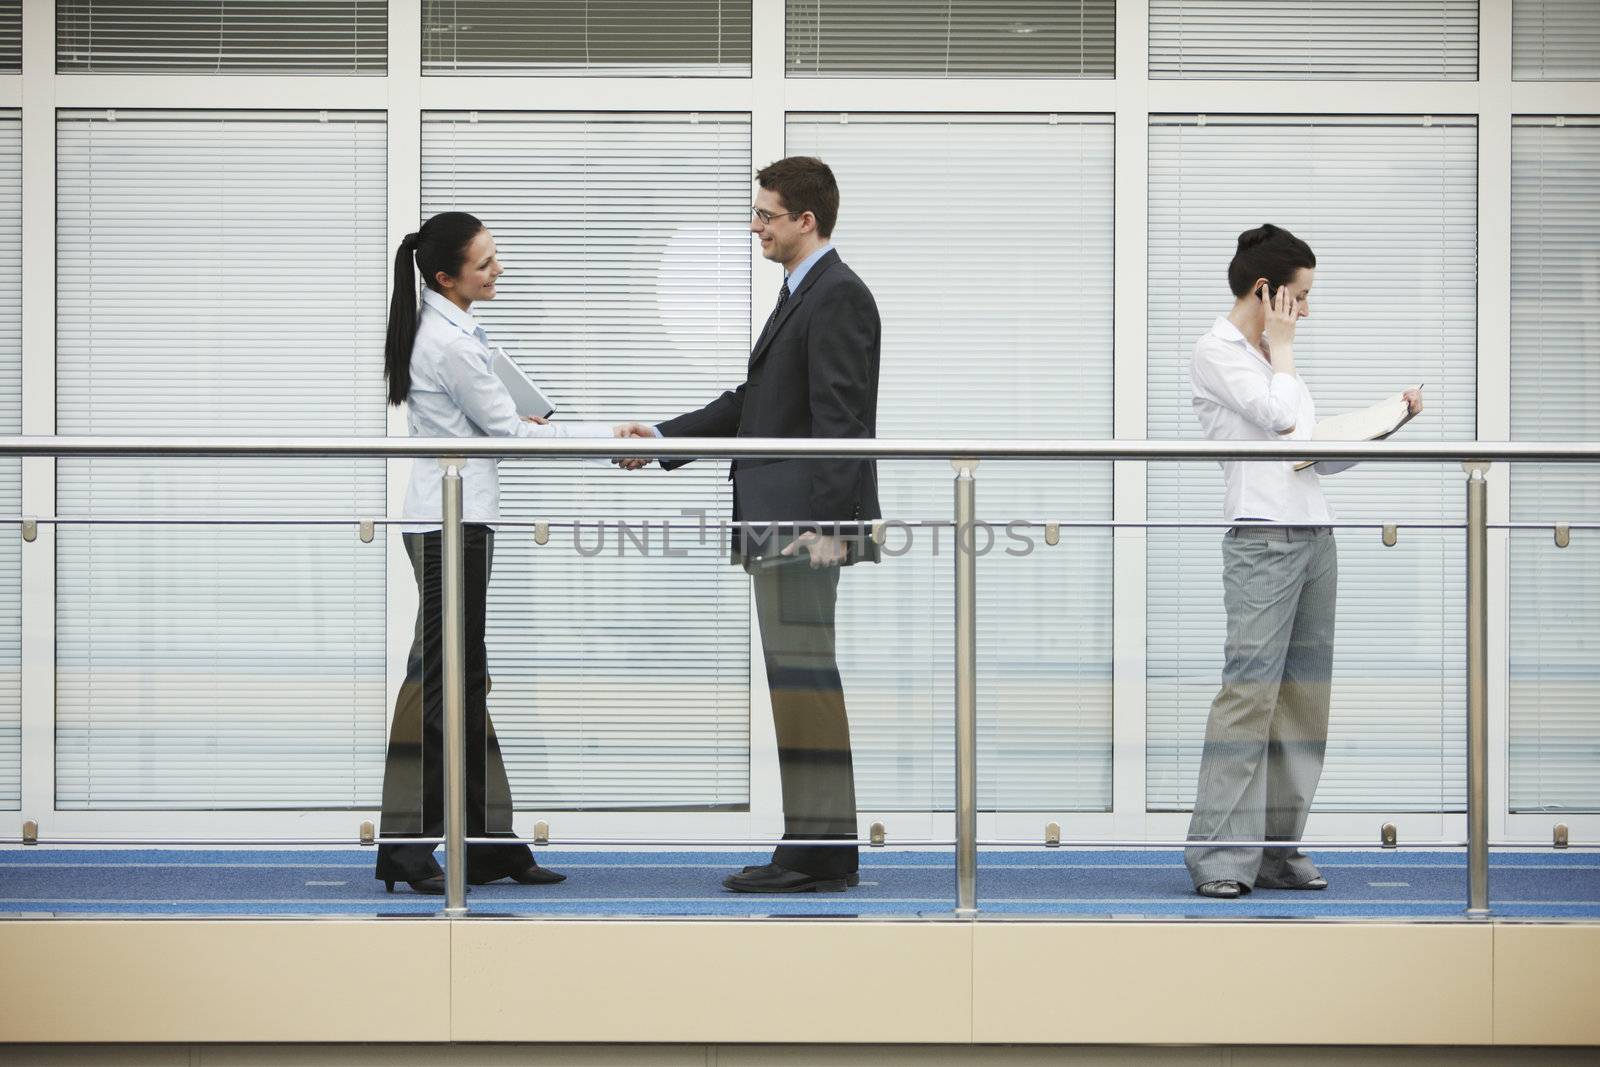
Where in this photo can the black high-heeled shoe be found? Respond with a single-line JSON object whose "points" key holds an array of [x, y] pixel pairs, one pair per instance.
{"points": [[428, 887]]}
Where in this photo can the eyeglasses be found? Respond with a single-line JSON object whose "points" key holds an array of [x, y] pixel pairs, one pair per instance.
{"points": [[766, 217]]}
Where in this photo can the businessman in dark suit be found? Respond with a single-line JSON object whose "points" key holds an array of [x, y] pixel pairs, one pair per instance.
{"points": [[813, 373]]}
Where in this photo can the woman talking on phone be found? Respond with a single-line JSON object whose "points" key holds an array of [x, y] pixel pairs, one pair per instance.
{"points": [[1268, 727], [438, 361]]}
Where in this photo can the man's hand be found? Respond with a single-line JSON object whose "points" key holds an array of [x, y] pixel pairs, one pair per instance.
{"points": [[1414, 399], [537, 420], [825, 551], [633, 429]]}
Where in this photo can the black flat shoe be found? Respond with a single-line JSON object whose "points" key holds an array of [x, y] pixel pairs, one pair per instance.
{"points": [[852, 879], [775, 879], [428, 887]]}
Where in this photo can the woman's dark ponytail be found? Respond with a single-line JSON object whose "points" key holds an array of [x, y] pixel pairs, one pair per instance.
{"points": [[439, 246]]}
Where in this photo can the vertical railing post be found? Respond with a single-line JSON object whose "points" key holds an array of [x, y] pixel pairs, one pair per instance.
{"points": [[1477, 689], [455, 693], [966, 628]]}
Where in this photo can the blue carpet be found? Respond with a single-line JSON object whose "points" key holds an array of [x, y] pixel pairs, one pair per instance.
{"points": [[1143, 884]]}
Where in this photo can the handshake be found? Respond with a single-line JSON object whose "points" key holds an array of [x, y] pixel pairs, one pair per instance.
{"points": [[633, 429]]}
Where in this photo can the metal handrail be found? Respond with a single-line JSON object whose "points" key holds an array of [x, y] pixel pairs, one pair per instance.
{"points": [[965, 455], [800, 448]]}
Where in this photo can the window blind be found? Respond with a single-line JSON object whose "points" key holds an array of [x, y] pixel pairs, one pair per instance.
{"points": [[1342, 39], [220, 273], [1555, 383], [11, 469], [950, 39], [619, 681], [10, 36], [1555, 40], [611, 38], [992, 274], [1389, 206], [222, 36]]}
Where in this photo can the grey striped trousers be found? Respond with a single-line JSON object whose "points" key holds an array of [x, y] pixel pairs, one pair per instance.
{"points": [[1268, 728]]}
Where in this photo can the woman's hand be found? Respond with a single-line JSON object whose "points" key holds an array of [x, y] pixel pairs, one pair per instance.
{"points": [[1414, 399], [1280, 313], [537, 420]]}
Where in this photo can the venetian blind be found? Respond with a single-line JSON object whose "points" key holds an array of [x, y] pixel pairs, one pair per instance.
{"points": [[222, 36], [10, 469], [992, 274], [10, 36], [1389, 205], [949, 39], [1555, 387], [220, 273], [1555, 40], [610, 38], [1389, 40], [620, 681]]}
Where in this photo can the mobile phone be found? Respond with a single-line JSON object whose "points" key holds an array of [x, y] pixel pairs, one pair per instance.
{"points": [[1272, 291]]}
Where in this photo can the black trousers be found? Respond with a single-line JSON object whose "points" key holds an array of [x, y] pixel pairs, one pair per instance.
{"points": [[413, 774], [795, 610]]}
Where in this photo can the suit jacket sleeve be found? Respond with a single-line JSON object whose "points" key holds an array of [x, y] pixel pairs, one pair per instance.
{"points": [[720, 418], [842, 347]]}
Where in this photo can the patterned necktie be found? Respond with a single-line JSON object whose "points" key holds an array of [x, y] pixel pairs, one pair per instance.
{"points": [[783, 298]]}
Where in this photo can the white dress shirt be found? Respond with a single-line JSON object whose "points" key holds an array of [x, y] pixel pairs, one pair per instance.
{"points": [[455, 393], [1239, 397]]}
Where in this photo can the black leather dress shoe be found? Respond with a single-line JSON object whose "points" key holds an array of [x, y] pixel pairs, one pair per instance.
{"points": [[775, 879], [533, 874], [851, 879], [1222, 889]]}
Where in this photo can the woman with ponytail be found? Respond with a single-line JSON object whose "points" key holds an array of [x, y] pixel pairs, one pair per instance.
{"points": [[438, 361], [1268, 727]]}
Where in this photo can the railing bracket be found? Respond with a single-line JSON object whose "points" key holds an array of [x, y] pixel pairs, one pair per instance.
{"points": [[1391, 534], [1559, 837], [30, 832], [1052, 533], [1052, 835], [369, 530], [369, 833], [541, 833], [877, 835], [1563, 535], [541, 533], [1389, 836], [30, 530]]}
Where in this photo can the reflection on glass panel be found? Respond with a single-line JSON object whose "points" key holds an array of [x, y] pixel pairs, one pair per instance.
{"points": [[1389, 40], [621, 675], [1024, 352], [1389, 207], [10, 469], [1555, 387], [1555, 40], [209, 667], [608, 38], [218, 37], [952, 39]]}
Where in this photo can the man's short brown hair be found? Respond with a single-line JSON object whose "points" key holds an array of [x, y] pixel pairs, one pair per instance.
{"points": [[804, 183]]}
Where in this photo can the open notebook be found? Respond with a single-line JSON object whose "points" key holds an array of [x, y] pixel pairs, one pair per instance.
{"points": [[1369, 424]]}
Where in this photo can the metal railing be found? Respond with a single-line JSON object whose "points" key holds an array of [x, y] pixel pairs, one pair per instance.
{"points": [[965, 456]]}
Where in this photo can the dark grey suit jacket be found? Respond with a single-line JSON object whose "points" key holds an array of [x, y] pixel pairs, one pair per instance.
{"points": [[813, 373]]}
